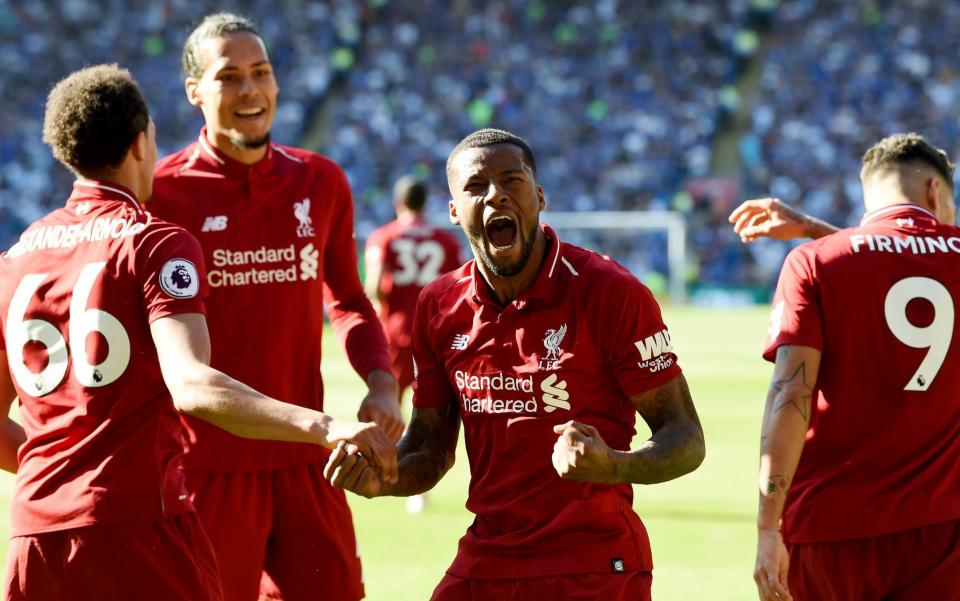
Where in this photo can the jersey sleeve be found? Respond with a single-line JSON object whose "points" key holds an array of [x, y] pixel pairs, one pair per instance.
{"points": [[431, 388], [639, 347], [795, 318], [170, 268], [352, 317]]}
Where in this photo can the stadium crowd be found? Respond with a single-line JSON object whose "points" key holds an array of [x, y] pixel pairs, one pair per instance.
{"points": [[625, 98]]}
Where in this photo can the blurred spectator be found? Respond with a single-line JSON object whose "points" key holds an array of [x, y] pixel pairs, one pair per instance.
{"points": [[626, 97]]}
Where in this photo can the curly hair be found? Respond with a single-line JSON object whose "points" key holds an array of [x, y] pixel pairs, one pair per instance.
{"points": [[482, 138], [900, 149], [216, 25], [93, 117]]}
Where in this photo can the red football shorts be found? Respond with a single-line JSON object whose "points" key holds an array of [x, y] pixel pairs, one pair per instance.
{"points": [[401, 361], [634, 586], [279, 534], [922, 563], [166, 560]]}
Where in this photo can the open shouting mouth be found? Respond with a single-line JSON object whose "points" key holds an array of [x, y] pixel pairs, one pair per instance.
{"points": [[501, 231]]}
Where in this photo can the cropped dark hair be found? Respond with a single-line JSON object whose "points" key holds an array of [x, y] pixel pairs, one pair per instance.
{"points": [[216, 25], [410, 192], [482, 138], [900, 149], [93, 117]]}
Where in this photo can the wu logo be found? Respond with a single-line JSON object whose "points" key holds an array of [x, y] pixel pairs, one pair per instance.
{"points": [[301, 210], [652, 347], [555, 395], [551, 342]]}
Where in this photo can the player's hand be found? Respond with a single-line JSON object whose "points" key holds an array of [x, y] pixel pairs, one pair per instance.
{"points": [[370, 441], [349, 470], [770, 572], [770, 218], [580, 453], [382, 405]]}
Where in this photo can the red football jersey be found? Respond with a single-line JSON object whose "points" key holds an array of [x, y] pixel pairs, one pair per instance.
{"points": [[277, 237], [576, 345], [879, 302], [412, 253], [77, 295]]}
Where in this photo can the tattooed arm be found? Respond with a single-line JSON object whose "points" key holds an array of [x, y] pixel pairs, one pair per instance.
{"points": [[425, 454], [770, 218], [786, 418], [674, 448]]}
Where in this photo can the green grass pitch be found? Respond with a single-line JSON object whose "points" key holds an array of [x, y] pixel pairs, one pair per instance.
{"points": [[701, 526]]}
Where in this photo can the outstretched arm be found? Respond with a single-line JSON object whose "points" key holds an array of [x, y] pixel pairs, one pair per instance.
{"points": [[426, 453], [11, 433], [786, 418], [675, 447], [771, 218], [183, 347]]}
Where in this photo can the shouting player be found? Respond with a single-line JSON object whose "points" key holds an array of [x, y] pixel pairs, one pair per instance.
{"points": [[546, 352], [402, 257], [101, 314], [276, 227], [859, 490]]}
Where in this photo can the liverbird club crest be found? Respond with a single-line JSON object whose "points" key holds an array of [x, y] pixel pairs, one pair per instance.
{"points": [[552, 341], [301, 210]]}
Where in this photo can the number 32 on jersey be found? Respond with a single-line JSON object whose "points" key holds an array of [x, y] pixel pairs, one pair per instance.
{"points": [[83, 321], [419, 261]]}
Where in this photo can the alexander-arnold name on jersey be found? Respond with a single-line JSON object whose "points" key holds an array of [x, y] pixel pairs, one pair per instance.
{"points": [[263, 265], [67, 236], [655, 351]]}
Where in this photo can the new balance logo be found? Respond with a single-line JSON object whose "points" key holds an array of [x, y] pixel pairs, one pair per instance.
{"points": [[555, 395], [460, 342], [214, 223], [654, 346], [309, 261]]}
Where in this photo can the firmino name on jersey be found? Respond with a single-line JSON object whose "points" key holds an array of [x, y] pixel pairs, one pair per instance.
{"points": [[286, 269], [917, 245], [67, 236], [477, 393]]}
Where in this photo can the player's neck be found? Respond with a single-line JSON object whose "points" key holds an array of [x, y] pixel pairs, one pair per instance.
{"points": [[126, 176], [888, 196], [507, 289], [247, 156]]}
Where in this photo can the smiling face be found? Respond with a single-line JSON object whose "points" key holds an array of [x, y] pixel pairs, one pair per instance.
{"points": [[497, 202], [237, 94]]}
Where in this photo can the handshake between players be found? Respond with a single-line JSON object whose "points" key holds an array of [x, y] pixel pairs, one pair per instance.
{"points": [[361, 465]]}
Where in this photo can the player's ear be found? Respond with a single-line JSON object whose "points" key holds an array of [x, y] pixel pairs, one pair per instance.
{"points": [[932, 194], [454, 218], [190, 86], [139, 146], [542, 202]]}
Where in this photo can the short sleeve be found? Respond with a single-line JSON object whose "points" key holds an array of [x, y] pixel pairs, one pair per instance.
{"points": [[171, 271], [640, 349], [795, 318], [431, 388]]}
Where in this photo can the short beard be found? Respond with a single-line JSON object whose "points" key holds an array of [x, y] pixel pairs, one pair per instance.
{"points": [[505, 271], [250, 145]]}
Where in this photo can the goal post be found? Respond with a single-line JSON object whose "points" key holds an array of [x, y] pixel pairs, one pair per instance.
{"points": [[671, 222]]}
